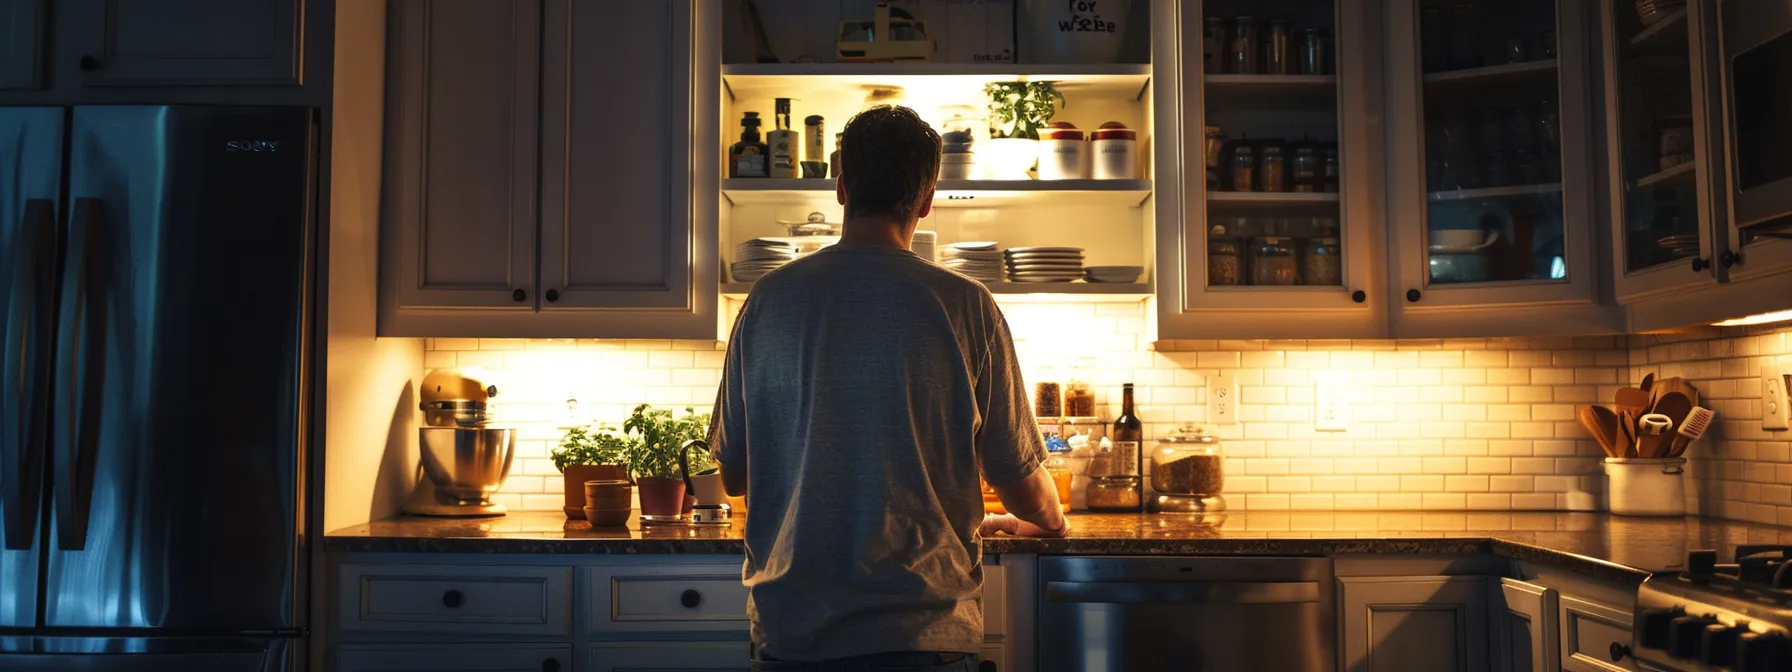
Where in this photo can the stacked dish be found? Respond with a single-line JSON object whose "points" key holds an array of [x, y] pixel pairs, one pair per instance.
{"points": [[1651, 11], [1114, 274], [981, 261], [1044, 264], [1683, 245], [756, 257]]}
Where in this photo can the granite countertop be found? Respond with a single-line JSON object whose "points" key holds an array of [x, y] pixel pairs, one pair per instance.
{"points": [[1616, 546]]}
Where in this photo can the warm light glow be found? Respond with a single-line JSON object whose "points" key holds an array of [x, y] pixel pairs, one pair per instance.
{"points": [[1763, 318]]}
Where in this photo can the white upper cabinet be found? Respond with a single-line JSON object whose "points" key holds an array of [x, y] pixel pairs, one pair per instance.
{"points": [[1268, 123], [21, 44], [182, 42]]}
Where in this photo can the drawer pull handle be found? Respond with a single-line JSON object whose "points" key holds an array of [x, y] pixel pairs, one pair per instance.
{"points": [[453, 599], [1618, 651], [550, 665], [690, 599]]}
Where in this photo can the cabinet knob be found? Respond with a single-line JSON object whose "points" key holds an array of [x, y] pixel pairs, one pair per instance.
{"points": [[550, 665], [690, 599], [988, 666], [1729, 259], [91, 63], [453, 599], [1699, 264], [552, 295], [1359, 296], [1412, 296], [1619, 651], [518, 295]]}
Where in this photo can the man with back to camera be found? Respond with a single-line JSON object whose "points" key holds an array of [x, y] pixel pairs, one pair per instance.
{"points": [[863, 391]]}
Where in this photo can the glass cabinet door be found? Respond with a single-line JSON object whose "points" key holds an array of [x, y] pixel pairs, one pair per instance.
{"points": [[1489, 104], [1657, 145]]}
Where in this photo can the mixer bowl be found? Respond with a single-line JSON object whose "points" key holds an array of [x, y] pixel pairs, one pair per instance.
{"points": [[468, 464]]}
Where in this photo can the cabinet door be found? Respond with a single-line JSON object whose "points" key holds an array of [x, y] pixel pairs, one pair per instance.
{"points": [[1526, 615], [670, 657], [461, 156], [1274, 227], [1392, 624], [1665, 168], [1589, 629], [1493, 178], [183, 42], [21, 43], [622, 225], [454, 657]]}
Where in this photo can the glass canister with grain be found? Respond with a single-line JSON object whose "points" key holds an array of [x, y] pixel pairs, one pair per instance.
{"points": [[1188, 473]]}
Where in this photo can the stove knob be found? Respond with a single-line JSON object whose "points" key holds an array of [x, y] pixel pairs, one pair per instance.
{"points": [[1756, 652], [1717, 647], [1684, 634], [1701, 562], [1655, 626]]}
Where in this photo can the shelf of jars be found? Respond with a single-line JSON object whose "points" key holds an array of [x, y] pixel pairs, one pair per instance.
{"points": [[1027, 291], [1495, 192], [953, 192]]}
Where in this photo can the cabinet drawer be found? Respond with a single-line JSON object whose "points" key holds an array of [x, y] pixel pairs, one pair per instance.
{"points": [[680, 598], [447, 598], [1588, 631], [454, 658]]}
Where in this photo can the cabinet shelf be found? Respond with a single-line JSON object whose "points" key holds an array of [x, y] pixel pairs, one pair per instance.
{"points": [[802, 80], [1025, 291], [1663, 33], [1652, 179], [953, 193], [1272, 91], [1494, 73], [1495, 192], [1270, 198]]}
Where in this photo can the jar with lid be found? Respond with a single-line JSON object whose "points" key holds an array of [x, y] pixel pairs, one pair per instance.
{"points": [[1278, 45], [1272, 264], [1079, 400], [1223, 262], [1114, 152], [1274, 168], [1213, 45], [1214, 151], [1188, 472], [1322, 264], [1328, 170], [1306, 168], [1058, 466], [1061, 152], [1244, 166], [1048, 401], [1241, 50]]}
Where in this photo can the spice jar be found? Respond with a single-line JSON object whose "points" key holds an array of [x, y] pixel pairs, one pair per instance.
{"points": [[1315, 52], [1188, 472], [1061, 155], [1278, 44], [1322, 265], [1046, 401], [1272, 264], [1223, 262], [1241, 50], [1115, 152], [1244, 167], [1274, 171], [1079, 400]]}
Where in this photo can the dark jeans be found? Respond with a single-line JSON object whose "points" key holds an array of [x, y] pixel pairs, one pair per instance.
{"points": [[918, 661]]}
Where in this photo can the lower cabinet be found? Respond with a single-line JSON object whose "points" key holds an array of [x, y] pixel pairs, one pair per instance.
{"points": [[1525, 627], [1591, 632], [1403, 623], [669, 656], [455, 658]]}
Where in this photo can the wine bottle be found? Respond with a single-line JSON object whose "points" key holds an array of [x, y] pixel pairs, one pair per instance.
{"points": [[1128, 436]]}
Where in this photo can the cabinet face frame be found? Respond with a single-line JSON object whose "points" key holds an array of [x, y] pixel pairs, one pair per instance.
{"points": [[1537, 605], [22, 44]]}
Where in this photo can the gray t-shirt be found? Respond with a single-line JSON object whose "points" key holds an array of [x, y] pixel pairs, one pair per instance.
{"points": [[863, 389]]}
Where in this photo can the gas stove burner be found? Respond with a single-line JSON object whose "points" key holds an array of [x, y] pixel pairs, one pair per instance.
{"points": [[1765, 565], [1718, 617]]}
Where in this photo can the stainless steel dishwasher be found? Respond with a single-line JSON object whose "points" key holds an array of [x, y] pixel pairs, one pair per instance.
{"points": [[1187, 614]]}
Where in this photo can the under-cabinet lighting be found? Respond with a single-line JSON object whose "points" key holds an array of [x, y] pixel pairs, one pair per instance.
{"points": [[1763, 318]]}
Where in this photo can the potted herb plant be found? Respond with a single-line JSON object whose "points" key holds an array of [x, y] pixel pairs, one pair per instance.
{"points": [[1017, 110], [653, 458], [593, 453]]}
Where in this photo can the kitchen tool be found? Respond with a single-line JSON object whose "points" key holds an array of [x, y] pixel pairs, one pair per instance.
{"points": [[1627, 431], [712, 506], [1652, 435], [463, 467], [1632, 397], [1673, 408], [1645, 486], [1603, 425], [1648, 381], [1188, 472], [1692, 429]]}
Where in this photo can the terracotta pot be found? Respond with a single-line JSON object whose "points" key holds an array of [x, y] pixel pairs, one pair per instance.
{"points": [[661, 496], [576, 476]]}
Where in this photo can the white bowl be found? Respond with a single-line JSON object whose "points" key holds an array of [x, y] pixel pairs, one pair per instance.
{"points": [[1458, 237]]}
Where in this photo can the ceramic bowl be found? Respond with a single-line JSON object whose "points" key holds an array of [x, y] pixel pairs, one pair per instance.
{"points": [[609, 494], [608, 517], [1458, 237]]}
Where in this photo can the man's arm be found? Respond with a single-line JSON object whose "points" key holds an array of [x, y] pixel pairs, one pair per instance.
{"points": [[1034, 505], [727, 422], [1009, 448]]}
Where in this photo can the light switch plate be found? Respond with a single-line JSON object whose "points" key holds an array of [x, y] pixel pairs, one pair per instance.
{"points": [[1222, 400], [1331, 401], [1773, 402]]}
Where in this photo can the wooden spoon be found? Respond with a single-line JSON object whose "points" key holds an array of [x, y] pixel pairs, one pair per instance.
{"points": [[1627, 433], [1648, 381], [1602, 423], [1634, 398]]}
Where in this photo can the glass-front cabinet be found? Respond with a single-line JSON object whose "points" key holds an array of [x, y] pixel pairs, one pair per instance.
{"points": [[1273, 228], [1660, 146], [1491, 167]]}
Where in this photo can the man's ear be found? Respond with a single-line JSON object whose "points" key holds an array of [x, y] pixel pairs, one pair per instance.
{"points": [[840, 190], [926, 204]]}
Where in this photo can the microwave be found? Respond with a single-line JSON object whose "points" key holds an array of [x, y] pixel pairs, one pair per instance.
{"points": [[1757, 51]]}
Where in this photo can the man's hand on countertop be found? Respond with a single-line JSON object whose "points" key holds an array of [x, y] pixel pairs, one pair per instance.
{"points": [[1006, 522]]}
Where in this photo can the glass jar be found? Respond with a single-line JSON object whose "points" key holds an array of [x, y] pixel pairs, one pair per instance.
{"points": [[1057, 465], [1328, 171], [1272, 264], [1241, 50], [1278, 44], [1188, 472], [1244, 167], [1323, 264], [1224, 264], [1047, 402], [1306, 169], [1079, 400], [1275, 168], [1114, 494]]}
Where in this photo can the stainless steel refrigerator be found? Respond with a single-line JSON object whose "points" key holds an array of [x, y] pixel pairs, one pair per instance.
{"points": [[152, 403]]}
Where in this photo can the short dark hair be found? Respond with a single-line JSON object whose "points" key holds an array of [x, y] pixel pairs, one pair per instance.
{"points": [[889, 159]]}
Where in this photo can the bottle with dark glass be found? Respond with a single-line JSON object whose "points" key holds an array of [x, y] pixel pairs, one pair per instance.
{"points": [[747, 158]]}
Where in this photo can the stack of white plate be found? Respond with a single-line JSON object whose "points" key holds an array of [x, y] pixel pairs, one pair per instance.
{"points": [[1119, 274], [1044, 264], [1651, 11], [979, 260], [759, 256]]}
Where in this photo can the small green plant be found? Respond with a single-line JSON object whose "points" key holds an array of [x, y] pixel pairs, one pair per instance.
{"points": [[658, 437], [596, 444], [1019, 109]]}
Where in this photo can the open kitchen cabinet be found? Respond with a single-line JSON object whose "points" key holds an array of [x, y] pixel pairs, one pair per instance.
{"points": [[1111, 220], [1270, 228], [546, 170]]}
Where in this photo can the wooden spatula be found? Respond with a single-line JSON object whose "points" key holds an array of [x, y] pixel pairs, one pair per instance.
{"points": [[1676, 406], [1634, 398], [1602, 423], [1627, 433]]}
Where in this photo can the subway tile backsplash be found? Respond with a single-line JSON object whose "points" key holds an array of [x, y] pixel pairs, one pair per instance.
{"points": [[1433, 424]]}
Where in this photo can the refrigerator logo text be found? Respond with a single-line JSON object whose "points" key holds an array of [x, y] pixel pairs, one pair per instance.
{"points": [[267, 146]]}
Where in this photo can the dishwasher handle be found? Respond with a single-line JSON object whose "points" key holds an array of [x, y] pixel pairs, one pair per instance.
{"points": [[1179, 592]]}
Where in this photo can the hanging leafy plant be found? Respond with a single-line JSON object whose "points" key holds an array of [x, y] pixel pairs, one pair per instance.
{"points": [[1019, 109]]}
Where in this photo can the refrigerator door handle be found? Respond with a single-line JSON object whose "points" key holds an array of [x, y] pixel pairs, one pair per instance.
{"points": [[25, 370], [79, 370]]}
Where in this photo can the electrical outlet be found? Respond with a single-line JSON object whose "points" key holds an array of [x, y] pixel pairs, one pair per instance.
{"points": [[1331, 401], [1773, 402], [1222, 400]]}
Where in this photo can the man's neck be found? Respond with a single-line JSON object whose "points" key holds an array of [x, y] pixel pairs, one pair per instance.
{"points": [[884, 232]]}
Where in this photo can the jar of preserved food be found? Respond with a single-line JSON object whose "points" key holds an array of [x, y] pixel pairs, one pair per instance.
{"points": [[1306, 169], [1272, 264], [1213, 46], [1244, 167], [1188, 472], [1323, 264], [1329, 170], [1278, 46], [1223, 262], [1241, 50], [1079, 400], [1046, 401], [1274, 171]]}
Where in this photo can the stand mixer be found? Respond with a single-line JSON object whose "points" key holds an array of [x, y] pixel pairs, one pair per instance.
{"points": [[463, 460]]}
